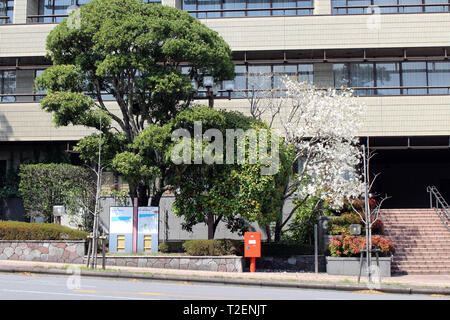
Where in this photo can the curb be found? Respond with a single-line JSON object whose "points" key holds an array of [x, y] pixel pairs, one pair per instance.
{"points": [[222, 280]]}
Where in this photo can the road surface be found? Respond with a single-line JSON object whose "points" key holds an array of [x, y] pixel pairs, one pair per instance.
{"points": [[26, 286]]}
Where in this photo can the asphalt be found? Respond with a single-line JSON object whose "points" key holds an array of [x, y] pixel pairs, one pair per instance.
{"points": [[408, 284]]}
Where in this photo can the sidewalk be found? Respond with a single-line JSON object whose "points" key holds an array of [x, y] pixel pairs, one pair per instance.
{"points": [[439, 284]]}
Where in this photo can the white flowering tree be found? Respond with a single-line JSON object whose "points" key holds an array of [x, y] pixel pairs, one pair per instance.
{"points": [[322, 127]]}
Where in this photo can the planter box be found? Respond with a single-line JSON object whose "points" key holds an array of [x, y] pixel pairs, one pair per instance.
{"points": [[349, 266]]}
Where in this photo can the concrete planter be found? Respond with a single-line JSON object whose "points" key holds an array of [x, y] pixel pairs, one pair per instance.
{"points": [[349, 266]]}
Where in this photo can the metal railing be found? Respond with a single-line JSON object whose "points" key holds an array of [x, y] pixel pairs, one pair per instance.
{"points": [[440, 205], [399, 8], [4, 20], [245, 11], [39, 18], [242, 93]]}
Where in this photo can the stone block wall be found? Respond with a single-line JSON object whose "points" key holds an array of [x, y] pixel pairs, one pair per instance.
{"points": [[43, 250], [207, 263]]}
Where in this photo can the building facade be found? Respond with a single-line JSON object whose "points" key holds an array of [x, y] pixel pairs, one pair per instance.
{"points": [[394, 53]]}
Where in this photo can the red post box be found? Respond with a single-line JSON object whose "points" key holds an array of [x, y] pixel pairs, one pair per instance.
{"points": [[252, 248]]}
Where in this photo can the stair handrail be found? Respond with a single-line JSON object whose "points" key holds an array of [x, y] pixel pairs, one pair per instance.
{"points": [[441, 206]]}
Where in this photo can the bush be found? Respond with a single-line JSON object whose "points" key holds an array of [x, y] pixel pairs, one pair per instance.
{"points": [[14, 230], [171, 247], [351, 246], [214, 247], [44, 185], [341, 224], [285, 250]]}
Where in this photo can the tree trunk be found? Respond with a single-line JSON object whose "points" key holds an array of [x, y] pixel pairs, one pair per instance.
{"points": [[211, 229], [143, 195]]}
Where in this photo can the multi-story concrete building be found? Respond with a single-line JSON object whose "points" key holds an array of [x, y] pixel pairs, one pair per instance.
{"points": [[395, 53]]}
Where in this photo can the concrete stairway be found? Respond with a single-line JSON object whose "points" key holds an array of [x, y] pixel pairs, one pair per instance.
{"points": [[422, 242]]}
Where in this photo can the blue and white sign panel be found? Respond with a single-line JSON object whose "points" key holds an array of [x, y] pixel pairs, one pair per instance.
{"points": [[121, 224], [148, 220], [148, 226], [121, 220]]}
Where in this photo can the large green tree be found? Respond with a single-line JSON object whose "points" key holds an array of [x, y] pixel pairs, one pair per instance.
{"points": [[233, 193], [132, 52]]}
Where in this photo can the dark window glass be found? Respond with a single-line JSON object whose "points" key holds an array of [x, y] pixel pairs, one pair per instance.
{"points": [[388, 75], [234, 5], [341, 75], [438, 76], [208, 5], [258, 4], [37, 74], [7, 85], [240, 82], [361, 75], [437, 8], [306, 72], [259, 78], [386, 3], [414, 74], [6, 11], [284, 4]]}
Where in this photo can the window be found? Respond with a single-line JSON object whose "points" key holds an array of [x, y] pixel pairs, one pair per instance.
{"points": [[37, 74], [7, 86], [389, 6], [249, 8], [6, 11], [388, 75], [414, 74], [54, 11], [438, 76]]}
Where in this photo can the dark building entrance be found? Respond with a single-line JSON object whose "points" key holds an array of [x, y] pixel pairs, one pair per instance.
{"points": [[405, 174]]}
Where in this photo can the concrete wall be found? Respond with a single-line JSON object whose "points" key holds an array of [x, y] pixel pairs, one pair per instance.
{"points": [[322, 31], [45, 251], [385, 116]]}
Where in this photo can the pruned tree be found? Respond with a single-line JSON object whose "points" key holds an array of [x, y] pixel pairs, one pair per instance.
{"points": [[132, 52]]}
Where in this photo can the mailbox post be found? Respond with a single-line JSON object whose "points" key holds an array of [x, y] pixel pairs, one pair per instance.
{"points": [[252, 248]]}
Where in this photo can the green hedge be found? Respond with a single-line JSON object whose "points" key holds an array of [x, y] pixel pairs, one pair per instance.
{"points": [[215, 247], [14, 230], [171, 247], [269, 249]]}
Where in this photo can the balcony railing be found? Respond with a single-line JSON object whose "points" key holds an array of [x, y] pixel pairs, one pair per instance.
{"points": [[243, 93], [39, 18], [245, 11], [399, 8], [4, 20]]}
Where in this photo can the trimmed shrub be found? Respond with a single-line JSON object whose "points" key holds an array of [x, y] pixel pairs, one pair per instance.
{"points": [[341, 224], [351, 246], [14, 230], [171, 247], [285, 250], [214, 247]]}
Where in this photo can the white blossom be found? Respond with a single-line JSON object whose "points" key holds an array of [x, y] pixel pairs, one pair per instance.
{"points": [[322, 125]]}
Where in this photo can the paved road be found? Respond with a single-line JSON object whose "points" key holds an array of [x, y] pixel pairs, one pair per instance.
{"points": [[49, 287]]}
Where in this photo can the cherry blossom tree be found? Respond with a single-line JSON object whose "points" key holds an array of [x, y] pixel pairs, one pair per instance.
{"points": [[322, 126]]}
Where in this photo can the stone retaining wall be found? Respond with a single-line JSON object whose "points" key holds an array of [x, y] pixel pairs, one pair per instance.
{"points": [[43, 250], [208, 263]]}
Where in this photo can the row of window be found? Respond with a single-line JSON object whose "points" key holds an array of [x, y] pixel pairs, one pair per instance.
{"points": [[388, 6], [53, 11], [368, 79], [247, 8]]}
